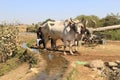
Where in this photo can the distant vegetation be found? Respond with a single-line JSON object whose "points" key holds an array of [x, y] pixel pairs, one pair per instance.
{"points": [[110, 19], [32, 28], [115, 34]]}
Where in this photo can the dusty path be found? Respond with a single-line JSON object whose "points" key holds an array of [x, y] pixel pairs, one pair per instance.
{"points": [[16, 74], [23, 72]]}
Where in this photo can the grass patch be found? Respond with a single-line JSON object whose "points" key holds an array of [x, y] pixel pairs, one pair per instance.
{"points": [[11, 64], [73, 74], [31, 43], [29, 57]]}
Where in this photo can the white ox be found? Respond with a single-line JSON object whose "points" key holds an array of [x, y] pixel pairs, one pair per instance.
{"points": [[62, 30]]}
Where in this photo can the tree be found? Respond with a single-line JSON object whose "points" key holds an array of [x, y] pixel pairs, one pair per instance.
{"points": [[110, 19], [89, 21]]}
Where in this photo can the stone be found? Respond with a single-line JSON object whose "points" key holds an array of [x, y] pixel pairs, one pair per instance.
{"points": [[96, 64], [117, 61], [112, 64], [114, 68], [35, 70]]}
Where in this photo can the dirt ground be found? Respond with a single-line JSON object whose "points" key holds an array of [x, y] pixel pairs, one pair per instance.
{"points": [[23, 72], [108, 52]]}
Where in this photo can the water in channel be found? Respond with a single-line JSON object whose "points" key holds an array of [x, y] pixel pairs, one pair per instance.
{"points": [[55, 68], [55, 65]]}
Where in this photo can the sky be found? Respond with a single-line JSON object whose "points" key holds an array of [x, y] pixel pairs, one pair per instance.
{"points": [[33, 11]]}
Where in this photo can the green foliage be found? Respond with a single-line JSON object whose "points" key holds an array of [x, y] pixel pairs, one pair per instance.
{"points": [[29, 57], [30, 43], [110, 19], [8, 42], [31, 28], [8, 48], [93, 21], [20, 51], [115, 34]]}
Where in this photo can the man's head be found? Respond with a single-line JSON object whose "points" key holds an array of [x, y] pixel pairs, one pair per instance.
{"points": [[39, 28]]}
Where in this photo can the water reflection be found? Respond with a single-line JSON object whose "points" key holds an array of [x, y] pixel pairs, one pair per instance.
{"points": [[55, 68], [44, 76], [24, 45], [50, 56]]}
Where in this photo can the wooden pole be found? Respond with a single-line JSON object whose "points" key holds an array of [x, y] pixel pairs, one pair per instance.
{"points": [[106, 28]]}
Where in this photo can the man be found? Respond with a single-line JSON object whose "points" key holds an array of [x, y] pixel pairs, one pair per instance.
{"points": [[40, 38]]}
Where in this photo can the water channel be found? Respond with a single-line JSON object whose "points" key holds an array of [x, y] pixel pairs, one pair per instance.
{"points": [[55, 65]]}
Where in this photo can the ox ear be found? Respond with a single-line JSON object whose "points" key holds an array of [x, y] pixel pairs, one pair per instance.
{"points": [[52, 24], [66, 23], [71, 19]]}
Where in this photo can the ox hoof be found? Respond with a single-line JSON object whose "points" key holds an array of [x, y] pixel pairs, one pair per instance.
{"points": [[45, 49], [55, 49], [65, 53], [75, 51], [71, 53]]}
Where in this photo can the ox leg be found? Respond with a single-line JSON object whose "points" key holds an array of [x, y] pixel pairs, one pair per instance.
{"points": [[53, 44], [76, 46], [70, 47], [81, 40], [64, 48], [45, 43]]}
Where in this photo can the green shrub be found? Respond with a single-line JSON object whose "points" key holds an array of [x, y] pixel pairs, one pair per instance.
{"points": [[8, 42], [29, 57], [31, 43], [115, 34]]}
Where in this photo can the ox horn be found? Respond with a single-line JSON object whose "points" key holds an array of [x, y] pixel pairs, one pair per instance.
{"points": [[71, 19]]}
